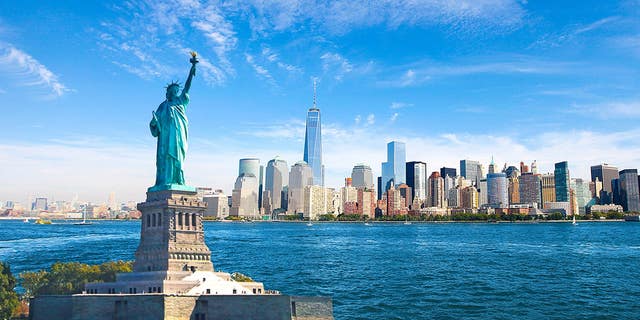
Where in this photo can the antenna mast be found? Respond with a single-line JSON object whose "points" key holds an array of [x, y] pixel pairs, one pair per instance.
{"points": [[314, 92]]}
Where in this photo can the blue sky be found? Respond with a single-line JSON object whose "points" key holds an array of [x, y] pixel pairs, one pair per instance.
{"points": [[519, 80]]}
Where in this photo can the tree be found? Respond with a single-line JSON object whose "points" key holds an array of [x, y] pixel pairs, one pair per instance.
{"points": [[8, 298], [70, 277]]}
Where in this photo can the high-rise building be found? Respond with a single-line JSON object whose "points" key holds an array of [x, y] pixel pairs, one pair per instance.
{"points": [[405, 193], [393, 200], [604, 173], [362, 176], [582, 195], [244, 198], [483, 194], [451, 172], [40, 204], [453, 198], [471, 170], [252, 166], [497, 190], [313, 142], [449, 184], [366, 202], [435, 190], [469, 197], [276, 182], [318, 200], [217, 205], [394, 170], [417, 180], [531, 189], [562, 180], [514, 189], [628, 190], [548, 188], [300, 177], [379, 187]]}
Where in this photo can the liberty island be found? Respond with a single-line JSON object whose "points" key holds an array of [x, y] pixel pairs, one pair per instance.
{"points": [[173, 276]]}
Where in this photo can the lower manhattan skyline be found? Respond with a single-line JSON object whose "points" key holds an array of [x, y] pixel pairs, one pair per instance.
{"points": [[511, 80]]}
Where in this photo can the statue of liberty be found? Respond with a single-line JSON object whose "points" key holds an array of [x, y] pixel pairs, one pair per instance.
{"points": [[170, 125]]}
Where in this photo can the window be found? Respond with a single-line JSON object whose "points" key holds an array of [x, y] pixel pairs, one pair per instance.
{"points": [[148, 221], [208, 291], [235, 291], [193, 220], [179, 218], [153, 216], [254, 290], [159, 219]]}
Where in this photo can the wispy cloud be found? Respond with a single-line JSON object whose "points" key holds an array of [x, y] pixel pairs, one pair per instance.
{"points": [[608, 110], [28, 71], [336, 65], [394, 117], [260, 70], [273, 57], [400, 105], [571, 33], [371, 119], [342, 16]]}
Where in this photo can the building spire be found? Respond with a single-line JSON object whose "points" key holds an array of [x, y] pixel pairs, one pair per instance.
{"points": [[314, 92]]}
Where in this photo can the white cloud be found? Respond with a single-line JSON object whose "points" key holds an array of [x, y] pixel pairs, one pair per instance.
{"points": [[342, 16], [260, 70], [336, 65], [571, 33], [394, 117], [608, 110], [28, 71], [357, 119], [371, 119], [400, 105]]}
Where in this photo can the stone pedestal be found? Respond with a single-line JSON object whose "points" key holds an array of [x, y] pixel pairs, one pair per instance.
{"points": [[171, 235]]}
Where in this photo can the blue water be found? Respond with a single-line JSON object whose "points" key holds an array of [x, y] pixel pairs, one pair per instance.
{"points": [[394, 271]]}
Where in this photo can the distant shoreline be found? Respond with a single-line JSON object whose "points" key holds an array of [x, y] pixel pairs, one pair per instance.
{"points": [[357, 222]]}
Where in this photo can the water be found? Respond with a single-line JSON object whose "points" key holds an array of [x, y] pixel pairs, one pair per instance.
{"points": [[394, 271]]}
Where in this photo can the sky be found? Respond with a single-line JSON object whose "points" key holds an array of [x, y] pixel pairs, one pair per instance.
{"points": [[513, 80]]}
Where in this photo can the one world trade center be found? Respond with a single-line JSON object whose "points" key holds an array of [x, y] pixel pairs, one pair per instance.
{"points": [[313, 142]]}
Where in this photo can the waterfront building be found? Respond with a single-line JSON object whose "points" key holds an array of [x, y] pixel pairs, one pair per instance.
{"points": [[449, 183], [562, 180], [469, 197], [405, 193], [514, 189], [217, 205], [394, 203], [531, 189], [453, 198], [318, 200], [301, 176], [379, 187], [561, 206], [628, 190], [394, 170], [604, 208], [349, 196], [548, 188], [582, 195], [436, 191], [244, 201], [362, 176], [596, 190], [276, 182], [417, 180], [483, 194], [451, 172], [313, 142], [471, 170], [366, 201], [40, 204], [252, 166], [497, 188], [605, 174]]}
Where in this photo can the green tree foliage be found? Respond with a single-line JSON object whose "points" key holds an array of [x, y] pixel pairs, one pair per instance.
{"points": [[70, 277], [8, 298], [239, 277], [327, 217]]}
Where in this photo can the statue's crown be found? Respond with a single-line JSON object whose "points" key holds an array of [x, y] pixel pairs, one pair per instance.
{"points": [[173, 84]]}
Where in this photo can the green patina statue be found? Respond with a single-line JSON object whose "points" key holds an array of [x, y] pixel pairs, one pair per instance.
{"points": [[170, 125]]}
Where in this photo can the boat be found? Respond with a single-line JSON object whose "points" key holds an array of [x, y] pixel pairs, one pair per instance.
{"points": [[406, 220], [309, 224], [26, 220], [84, 219], [367, 224], [43, 221], [574, 220]]}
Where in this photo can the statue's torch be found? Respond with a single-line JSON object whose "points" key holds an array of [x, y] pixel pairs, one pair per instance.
{"points": [[194, 60]]}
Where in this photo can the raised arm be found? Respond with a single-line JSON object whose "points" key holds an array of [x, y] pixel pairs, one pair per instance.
{"points": [[192, 72]]}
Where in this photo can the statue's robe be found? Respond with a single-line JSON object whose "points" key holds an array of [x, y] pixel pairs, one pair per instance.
{"points": [[169, 125]]}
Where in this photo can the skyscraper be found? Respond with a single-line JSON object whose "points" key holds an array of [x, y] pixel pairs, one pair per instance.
{"points": [[497, 190], [451, 172], [471, 170], [417, 180], [395, 167], [276, 181], [628, 190], [362, 177], [548, 188], [313, 142], [562, 180], [252, 166], [436, 191], [244, 197], [605, 173], [531, 189], [300, 177]]}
